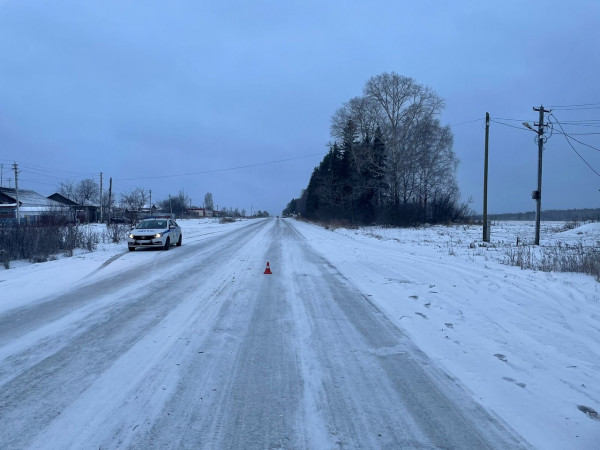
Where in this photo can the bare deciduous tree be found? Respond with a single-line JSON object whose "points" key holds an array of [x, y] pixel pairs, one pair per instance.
{"points": [[67, 189], [84, 192], [177, 204], [208, 201], [390, 159], [135, 200], [403, 105], [401, 115], [88, 192]]}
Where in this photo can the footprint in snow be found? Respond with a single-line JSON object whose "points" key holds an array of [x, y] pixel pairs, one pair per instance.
{"points": [[501, 357], [512, 380], [591, 413]]}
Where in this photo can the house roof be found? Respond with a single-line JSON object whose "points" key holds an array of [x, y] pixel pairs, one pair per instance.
{"points": [[62, 199], [27, 198]]}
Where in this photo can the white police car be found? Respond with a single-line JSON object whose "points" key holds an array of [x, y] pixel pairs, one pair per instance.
{"points": [[155, 232]]}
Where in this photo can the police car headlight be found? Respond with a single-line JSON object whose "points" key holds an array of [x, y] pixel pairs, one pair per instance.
{"points": [[131, 236], [157, 235]]}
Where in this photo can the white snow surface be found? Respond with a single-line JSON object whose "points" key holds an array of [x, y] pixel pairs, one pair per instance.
{"points": [[524, 343]]}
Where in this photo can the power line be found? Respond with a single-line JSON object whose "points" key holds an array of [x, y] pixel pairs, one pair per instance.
{"points": [[510, 120], [568, 138], [222, 170], [579, 142], [581, 122], [45, 172], [583, 134], [59, 171], [34, 181], [573, 123], [585, 124], [508, 125], [468, 121], [576, 108], [581, 105]]}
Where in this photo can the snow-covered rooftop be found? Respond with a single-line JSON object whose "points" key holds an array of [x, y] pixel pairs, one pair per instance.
{"points": [[27, 198]]}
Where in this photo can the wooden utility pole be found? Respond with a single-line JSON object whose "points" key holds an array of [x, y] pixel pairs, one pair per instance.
{"points": [[538, 194], [101, 216], [486, 229], [15, 167], [109, 199]]}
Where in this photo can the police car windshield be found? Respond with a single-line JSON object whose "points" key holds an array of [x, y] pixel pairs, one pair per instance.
{"points": [[150, 224]]}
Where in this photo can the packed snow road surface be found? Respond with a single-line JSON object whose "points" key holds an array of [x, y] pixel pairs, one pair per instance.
{"points": [[197, 348]]}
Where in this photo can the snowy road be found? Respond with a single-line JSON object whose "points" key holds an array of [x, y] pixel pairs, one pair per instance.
{"points": [[197, 348]]}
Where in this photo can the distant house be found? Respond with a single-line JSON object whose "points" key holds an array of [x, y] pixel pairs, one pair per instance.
{"points": [[80, 213], [33, 207], [200, 212]]}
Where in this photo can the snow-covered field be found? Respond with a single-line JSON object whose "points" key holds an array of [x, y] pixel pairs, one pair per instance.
{"points": [[523, 343]]}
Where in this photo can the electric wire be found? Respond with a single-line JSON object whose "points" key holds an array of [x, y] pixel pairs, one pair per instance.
{"points": [[582, 134], [578, 106], [511, 126], [466, 122], [203, 172], [40, 171], [509, 120], [575, 109], [580, 142], [568, 138]]}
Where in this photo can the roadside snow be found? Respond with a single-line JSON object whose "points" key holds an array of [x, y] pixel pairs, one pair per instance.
{"points": [[524, 343]]}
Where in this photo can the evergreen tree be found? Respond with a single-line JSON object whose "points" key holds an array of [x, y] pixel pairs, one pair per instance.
{"points": [[391, 160]]}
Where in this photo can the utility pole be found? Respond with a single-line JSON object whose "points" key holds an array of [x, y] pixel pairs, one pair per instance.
{"points": [[101, 217], [17, 193], [537, 195], [150, 201], [109, 199], [486, 225]]}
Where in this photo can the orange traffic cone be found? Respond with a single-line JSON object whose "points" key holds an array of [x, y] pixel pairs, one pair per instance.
{"points": [[268, 270]]}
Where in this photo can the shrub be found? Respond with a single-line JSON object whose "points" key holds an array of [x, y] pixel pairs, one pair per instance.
{"points": [[41, 242], [561, 258], [117, 231]]}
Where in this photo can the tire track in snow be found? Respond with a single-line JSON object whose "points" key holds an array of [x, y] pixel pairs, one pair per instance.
{"points": [[40, 391]]}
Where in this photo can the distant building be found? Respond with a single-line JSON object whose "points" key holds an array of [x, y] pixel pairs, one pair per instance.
{"points": [[32, 207], [80, 213], [200, 212]]}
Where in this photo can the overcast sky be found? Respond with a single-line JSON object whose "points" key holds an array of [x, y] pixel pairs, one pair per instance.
{"points": [[235, 97]]}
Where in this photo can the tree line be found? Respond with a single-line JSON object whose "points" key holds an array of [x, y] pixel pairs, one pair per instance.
{"points": [[391, 160], [87, 192], [558, 215]]}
